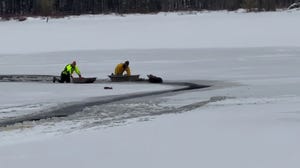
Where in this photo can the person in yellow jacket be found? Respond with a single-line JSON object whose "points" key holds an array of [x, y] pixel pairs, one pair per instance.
{"points": [[122, 67], [67, 73]]}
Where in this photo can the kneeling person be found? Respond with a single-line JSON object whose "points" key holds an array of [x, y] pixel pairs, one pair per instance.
{"points": [[66, 74], [122, 67]]}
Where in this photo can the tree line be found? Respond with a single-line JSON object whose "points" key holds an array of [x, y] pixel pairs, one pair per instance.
{"points": [[12, 8]]}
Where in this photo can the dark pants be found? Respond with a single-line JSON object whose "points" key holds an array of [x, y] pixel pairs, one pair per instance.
{"points": [[65, 78]]}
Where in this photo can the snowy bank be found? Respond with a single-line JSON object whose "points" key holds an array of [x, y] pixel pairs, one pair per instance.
{"points": [[201, 30]]}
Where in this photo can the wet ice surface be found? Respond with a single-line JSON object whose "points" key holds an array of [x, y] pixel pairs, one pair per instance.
{"points": [[98, 116], [106, 111], [252, 108], [22, 99], [8, 111]]}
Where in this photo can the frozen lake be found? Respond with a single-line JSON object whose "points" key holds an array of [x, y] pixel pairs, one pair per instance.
{"points": [[249, 117]]}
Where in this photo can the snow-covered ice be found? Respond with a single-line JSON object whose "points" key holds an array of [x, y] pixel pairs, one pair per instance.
{"points": [[165, 30], [249, 117]]}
